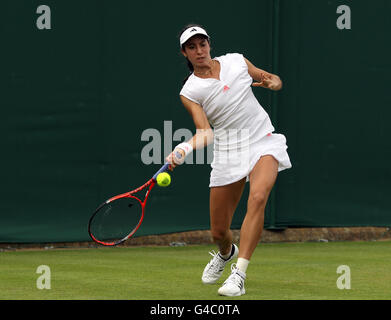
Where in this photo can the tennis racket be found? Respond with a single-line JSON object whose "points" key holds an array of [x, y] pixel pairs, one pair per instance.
{"points": [[118, 218]]}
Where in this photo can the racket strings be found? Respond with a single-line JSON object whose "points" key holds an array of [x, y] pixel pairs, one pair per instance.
{"points": [[119, 217], [116, 220]]}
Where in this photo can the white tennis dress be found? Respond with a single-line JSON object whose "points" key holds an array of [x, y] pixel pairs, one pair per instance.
{"points": [[242, 128]]}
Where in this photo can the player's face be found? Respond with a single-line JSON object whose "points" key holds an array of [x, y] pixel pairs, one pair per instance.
{"points": [[197, 50]]}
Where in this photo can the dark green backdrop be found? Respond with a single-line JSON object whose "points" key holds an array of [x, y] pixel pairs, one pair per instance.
{"points": [[76, 99]]}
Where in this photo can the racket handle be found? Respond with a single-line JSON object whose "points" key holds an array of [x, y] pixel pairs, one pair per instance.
{"points": [[164, 168]]}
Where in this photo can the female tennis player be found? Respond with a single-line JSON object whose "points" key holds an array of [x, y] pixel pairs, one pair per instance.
{"points": [[218, 94]]}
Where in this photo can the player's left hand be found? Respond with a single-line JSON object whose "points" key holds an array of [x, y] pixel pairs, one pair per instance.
{"points": [[269, 81]]}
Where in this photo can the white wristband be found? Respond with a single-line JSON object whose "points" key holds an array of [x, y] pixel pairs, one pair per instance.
{"points": [[186, 147]]}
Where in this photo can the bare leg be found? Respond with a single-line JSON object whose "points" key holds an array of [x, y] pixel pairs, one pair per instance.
{"points": [[262, 179], [223, 203]]}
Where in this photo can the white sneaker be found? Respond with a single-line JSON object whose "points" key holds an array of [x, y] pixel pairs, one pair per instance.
{"points": [[234, 285], [215, 267]]}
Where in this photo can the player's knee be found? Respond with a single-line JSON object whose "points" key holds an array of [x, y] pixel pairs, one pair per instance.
{"points": [[257, 199]]}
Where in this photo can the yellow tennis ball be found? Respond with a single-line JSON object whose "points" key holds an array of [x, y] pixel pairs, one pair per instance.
{"points": [[163, 179]]}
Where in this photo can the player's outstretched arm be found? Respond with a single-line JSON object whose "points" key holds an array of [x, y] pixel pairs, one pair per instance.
{"points": [[202, 137]]}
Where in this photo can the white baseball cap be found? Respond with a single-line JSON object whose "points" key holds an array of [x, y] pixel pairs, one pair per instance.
{"points": [[190, 32]]}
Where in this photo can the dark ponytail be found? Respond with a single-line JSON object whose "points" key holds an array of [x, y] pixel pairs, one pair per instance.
{"points": [[189, 65]]}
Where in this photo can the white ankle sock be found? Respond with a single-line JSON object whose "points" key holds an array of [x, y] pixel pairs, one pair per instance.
{"points": [[242, 264]]}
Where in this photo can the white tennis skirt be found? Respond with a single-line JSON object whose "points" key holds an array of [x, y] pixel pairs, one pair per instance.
{"points": [[231, 166]]}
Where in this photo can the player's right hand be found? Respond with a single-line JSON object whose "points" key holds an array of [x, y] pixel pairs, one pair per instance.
{"points": [[173, 158]]}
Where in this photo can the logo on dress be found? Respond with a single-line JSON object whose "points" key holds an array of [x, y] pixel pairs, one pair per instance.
{"points": [[226, 88]]}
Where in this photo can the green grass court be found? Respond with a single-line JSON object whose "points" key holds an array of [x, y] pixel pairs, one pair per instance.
{"points": [[278, 271]]}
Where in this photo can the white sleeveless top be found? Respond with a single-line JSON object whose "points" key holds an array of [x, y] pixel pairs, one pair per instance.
{"points": [[238, 120]]}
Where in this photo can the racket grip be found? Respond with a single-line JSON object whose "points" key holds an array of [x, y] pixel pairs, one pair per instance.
{"points": [[164, 168]]}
